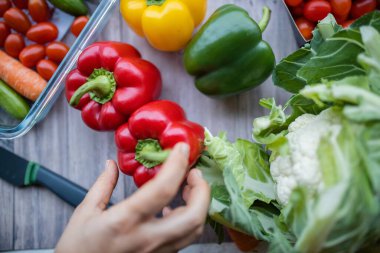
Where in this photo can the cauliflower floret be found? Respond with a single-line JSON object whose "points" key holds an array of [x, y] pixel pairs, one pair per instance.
{"points": [[301, 166]]}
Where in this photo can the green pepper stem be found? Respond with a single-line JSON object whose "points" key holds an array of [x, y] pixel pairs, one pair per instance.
{"points": [[265, 19], [100, 86], [159, 156], [155, 2]]}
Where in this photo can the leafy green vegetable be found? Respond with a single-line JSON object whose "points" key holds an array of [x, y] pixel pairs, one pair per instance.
{"points": [[270, 129], [331, 55], [319, 189], [242, 189], [335, 59], [370, 60], [285, 73]]}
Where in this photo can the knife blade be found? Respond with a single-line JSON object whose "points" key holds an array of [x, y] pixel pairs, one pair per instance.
{"points": [[20, 172]]}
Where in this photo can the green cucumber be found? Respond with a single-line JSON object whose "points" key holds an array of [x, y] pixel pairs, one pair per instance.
{"points": [[73, 7], [12, 103]]}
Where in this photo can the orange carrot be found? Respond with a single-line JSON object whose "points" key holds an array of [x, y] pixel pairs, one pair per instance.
{"points": [[22, 79]]}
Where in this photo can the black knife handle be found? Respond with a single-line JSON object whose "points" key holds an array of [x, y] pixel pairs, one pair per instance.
{"points": [[63, 188]]}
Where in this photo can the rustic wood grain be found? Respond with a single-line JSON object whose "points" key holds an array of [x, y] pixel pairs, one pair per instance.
{"points": [[35, 218]]}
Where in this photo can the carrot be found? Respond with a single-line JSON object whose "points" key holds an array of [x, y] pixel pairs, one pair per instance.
{"points": [[22, 79]]}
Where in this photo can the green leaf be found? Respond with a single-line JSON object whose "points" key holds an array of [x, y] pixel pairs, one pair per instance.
{"points": [[271, 129], [370, 19], [325, 29], [249, 165], [336, 58], [370, 60], [361, 105], [285, 73], [242, 190]]}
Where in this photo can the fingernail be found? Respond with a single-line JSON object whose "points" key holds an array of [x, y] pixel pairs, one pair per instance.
{"points": [[198, 173], [184, 149], [108, 164]]}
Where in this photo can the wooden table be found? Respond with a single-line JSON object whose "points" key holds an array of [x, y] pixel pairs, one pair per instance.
{"points": [[34, 218]]}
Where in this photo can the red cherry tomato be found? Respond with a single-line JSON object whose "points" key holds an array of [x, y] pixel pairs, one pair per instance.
{"points": [[348, 23], [39, 10], [56, 51], [361, 7], [305, 27], [46, 68], [297, 11], [42, 33], [341, 8], [78, 25], [21, 4], [4, 6], [293, 2], [17, 19], [31, 55], [14, 44], [316, 10], [4, 32]]}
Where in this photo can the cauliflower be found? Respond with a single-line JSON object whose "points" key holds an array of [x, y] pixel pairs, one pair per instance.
{"points": [[300, 165]]}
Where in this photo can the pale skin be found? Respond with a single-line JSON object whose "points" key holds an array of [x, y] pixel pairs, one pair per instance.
{"points": [[131, 225]]}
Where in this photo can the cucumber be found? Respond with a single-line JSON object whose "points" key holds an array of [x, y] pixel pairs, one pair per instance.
{"points": [[73, 7], [12, 103]]}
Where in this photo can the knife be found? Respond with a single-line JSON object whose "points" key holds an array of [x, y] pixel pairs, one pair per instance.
{"points": [[20, 172]]}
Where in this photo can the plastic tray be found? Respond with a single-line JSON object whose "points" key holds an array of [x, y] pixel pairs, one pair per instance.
{"points": [[9, 128], [299, 38]]}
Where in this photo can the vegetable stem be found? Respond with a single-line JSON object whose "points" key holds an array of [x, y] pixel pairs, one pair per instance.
{"points": [[265, 19]]}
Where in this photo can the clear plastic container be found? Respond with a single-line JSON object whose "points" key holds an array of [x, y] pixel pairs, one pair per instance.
{"points": [[299, 38], [101, 10]]}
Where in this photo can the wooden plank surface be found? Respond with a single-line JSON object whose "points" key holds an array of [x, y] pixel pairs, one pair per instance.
{"points": [[34, 218]]}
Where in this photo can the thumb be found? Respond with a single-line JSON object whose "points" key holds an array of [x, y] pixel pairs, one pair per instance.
{"points": [[100, 193]]}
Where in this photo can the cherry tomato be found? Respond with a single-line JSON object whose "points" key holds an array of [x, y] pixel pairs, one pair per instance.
{"points": [[4, 32], [4, 6], [56, 51], [341, 8], [46, 68], [31, 55], [14, 44], [305, 27], [293, 2], [39, 10], [347, 23], [21, 4], [17, 19], [42, 33], [361, 7], [78, 25], [297, 11], [316, 10]]}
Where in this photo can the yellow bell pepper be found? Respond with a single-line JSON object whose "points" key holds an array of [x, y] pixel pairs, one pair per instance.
{"points": [[168, 25]]}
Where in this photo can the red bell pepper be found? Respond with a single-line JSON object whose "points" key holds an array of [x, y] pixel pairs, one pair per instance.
{"points": [[145, 141], [111, 82]]}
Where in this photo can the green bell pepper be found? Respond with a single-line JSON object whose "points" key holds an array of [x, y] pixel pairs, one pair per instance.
{"points": [[228, 55], [12, 103]]}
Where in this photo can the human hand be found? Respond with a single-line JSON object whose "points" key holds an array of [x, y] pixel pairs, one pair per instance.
{"points": [[131, 226]]}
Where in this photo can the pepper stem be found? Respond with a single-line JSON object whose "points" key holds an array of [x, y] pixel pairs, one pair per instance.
{"points": [[155, 2], [101, 85], [149, 153], [160, 156], [265, 19]]}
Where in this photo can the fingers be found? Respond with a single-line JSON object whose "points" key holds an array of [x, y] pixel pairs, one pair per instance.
{"points": [[157, 193], [166, 211], [187, 220], [100, 193], [198, 197]]}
